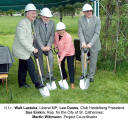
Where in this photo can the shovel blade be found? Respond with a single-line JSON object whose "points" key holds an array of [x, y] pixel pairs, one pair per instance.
{"points": [[82, 84], [44, 92], [87, 83], [51, 86], [63, 84]]}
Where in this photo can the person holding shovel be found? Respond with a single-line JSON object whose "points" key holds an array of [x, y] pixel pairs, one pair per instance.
{"points": [[44, 28], [89, 31], [23, 49], [63, 42]]}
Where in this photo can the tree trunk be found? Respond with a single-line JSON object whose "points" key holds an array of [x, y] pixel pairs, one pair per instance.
{"points": [[61, 15], [117, 37]]}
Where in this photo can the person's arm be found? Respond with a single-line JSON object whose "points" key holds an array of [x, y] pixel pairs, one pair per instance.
{"points": [[21, 34], [38, 38], [67, 46], [80, 33], [96, 32], [51, 39]]}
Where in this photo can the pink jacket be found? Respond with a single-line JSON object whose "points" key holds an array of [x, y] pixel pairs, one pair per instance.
{"points": [[65, 45]]}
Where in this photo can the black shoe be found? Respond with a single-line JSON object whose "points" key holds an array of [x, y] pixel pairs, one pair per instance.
{"points": [[39, 85], [81, 77], [53, 78], [47, 77], [0, 81], [25, 85], [91, 80]]}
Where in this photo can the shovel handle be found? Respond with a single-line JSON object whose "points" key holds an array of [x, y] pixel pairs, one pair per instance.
{"points": [[38, 66], [85, 60], [48, 64], [59, 67], [39, 70]]}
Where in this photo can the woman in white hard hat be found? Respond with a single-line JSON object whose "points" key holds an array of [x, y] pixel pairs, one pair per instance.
{"points": [[89, 31], [63, 42]]}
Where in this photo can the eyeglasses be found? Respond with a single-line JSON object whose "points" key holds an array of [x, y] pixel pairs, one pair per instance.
{"points": [[88, 11]]}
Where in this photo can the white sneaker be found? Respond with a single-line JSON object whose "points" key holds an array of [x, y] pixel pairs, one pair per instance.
{"points": [[65, 84], [87, 83], [53, 85], [82, 84], [61, 84], [44, 92]]}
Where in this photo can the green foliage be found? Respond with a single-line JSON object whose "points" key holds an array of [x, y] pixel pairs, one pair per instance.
{"points": [[107, 88], [69, 9], [8, 24], [109, 38]]}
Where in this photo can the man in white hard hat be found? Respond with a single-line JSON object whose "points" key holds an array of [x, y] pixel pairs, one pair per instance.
{"points": [[89, 31], [44, 28], [23, 48]]}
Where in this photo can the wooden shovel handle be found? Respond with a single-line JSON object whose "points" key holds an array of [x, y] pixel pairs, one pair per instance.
{"points": [[85, 60], [48, 64], [38, 66]]}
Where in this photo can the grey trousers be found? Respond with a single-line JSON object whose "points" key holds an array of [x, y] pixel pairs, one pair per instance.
{"points": [[92, 66], [50, 60], [41, 62], [40, 58]]}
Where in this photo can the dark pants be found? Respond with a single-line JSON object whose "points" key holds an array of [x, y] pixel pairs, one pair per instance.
{"points": [[24, 66], [70, 62]]}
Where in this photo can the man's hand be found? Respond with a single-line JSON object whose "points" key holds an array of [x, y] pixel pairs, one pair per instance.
{"points": [[43, 48], [84, 45], [89, 45], [35, 50], [46, 48]]}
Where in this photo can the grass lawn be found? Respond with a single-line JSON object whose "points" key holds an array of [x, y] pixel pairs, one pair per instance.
{"points": [[107, 88]]}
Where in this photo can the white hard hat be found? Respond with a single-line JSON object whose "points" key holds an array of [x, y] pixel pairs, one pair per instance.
{"points": [[46, 12], [87, 7], [29, 7], [60, 26]]}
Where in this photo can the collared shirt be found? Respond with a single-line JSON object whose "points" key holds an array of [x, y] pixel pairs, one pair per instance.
{"points": [[88, 20], [46, 26]]}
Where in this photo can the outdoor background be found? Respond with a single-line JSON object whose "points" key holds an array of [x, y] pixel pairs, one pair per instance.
{"points": [[111, 80]]}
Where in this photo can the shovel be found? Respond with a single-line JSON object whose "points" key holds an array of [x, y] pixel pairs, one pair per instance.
{"points": [[51, 85], [62, 83], [84, 83], [43, 91]]}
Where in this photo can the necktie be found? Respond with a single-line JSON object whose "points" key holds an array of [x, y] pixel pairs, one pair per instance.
{"points": [[32, 26], [45, 27], [33, 32]]}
